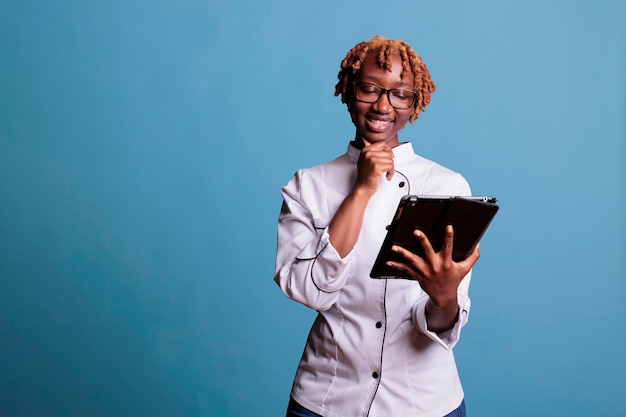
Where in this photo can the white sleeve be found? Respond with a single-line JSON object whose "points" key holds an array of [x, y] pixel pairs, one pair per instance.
{"points": [[449, 338], [308, 269]]}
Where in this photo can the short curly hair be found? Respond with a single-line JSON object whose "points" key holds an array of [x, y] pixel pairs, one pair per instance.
{"points": [[411, 62]]}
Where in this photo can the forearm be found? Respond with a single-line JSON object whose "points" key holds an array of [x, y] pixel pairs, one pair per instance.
{"points": [[441, 327], [345, 227]]}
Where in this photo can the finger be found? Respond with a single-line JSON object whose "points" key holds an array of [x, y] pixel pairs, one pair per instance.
{"points": [[424, 243], [390, 172], [413, 264], [387, 168], [382, 165], [379, 170], [408, 255], [410, 272], [380, 155], [448, 242], [469, 262], [377, 156], [378, 146]]}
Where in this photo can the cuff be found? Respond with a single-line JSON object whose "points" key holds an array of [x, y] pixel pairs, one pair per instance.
{"points": [[447, 339], [328, 270]]}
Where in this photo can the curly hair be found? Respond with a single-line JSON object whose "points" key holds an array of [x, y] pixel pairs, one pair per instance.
{"points": [[384, 48]]}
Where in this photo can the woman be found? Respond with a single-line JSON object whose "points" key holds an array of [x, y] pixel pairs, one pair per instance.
{"points": [[378, 348]]}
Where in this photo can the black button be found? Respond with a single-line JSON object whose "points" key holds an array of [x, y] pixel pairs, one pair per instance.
{"points": [[379, 325], [375, 375], [401, 184], [387, 227]]}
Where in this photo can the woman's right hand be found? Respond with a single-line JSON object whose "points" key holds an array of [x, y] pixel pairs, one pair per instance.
{"points": [[375, 160]]}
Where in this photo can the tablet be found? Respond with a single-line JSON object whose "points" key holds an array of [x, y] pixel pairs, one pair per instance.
{"points": [[469, 216]]}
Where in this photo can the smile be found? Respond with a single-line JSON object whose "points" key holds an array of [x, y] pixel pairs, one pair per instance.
{"points": [[379, 124]]}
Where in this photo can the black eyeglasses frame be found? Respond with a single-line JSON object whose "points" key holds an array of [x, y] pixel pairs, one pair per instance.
{"points": [[384, 91]]}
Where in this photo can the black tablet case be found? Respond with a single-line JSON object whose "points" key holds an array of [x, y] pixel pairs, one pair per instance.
{"points": [[469, 216]]}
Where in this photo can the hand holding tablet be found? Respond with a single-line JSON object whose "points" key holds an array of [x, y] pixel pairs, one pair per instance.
{"points": [[469, 216]]}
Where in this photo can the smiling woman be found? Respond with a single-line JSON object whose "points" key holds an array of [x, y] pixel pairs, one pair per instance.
{"points": [[142, 147], [377, 347], [377, 116]]}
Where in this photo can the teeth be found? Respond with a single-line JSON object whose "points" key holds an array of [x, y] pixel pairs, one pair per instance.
{"points": [[380, 122]]}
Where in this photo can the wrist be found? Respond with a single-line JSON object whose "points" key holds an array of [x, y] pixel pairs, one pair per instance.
{"points": [[445, 303], [361, 194]]}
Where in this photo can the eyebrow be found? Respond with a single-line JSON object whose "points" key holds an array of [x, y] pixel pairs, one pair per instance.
{"points": [[373, 79]]}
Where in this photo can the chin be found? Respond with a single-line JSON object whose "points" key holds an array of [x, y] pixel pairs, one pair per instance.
{"points": [[392, 140]]}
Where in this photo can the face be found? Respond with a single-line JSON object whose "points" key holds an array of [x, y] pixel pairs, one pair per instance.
{"points": [[380, 121]]}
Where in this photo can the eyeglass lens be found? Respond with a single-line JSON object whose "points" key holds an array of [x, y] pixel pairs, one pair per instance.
{"points": [[398, 98]]}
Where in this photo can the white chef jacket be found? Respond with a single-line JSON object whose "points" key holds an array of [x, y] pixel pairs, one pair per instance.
{"points": [[369, 352]]}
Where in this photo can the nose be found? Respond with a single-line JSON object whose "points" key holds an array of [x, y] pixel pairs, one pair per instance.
{"points": [[382, 105]]}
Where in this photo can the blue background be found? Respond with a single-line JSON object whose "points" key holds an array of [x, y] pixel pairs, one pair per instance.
{"points": [[143, 145]]}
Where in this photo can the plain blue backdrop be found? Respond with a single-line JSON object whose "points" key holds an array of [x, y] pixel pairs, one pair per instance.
{"points": [[143, 145]]}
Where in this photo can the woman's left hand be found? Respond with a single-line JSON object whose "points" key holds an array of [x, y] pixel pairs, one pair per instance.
{"points": [[438, 275]]}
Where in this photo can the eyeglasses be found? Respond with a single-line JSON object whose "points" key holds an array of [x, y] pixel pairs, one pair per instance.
{"points": [[398, 98]]}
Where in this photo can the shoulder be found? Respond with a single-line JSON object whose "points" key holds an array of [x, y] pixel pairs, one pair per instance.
{"points": [[324, 170], [318, 178], [439, 179]]}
